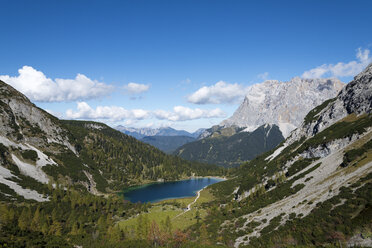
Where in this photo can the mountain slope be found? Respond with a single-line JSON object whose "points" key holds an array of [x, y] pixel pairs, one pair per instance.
{"points": [[282, 103], [229, 147], [167, 144], [314, 189], [36, 149]]}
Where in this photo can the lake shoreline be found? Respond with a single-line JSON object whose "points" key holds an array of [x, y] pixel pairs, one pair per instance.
{"points": [[161, 180], [157, 188]]}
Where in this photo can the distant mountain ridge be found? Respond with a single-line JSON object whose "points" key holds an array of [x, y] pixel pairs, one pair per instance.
{"points": [[284, 104], [167, 144], [140, 133]]}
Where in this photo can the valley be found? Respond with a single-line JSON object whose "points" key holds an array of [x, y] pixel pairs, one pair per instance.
{"points": [[75, 169], [75, 183], [186, 124]]}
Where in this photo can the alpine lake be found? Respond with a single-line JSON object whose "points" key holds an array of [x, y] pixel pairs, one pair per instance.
{"points": [[159, 191]]}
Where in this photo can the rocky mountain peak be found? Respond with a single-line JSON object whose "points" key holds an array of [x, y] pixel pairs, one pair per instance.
{"points": [[282, 103], [355, 97]]}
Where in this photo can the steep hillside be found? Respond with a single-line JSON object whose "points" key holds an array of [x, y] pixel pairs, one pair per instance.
{"points": [[167, 144], [239, 138], [36, 149], [229, 147], [314, 189]]}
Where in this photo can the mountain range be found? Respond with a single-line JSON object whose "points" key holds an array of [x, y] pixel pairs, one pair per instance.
{"points": [[59, 181], [281, 105], [38, 148], [312, 190], [140, 133], [166, 139]]}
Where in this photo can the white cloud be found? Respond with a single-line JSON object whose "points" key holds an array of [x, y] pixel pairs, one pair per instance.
{"points": [[263, 76], [112, 113], [221, 92], [134, 88], [115, 113], [36, 86], [181, 113], [341, 69]]}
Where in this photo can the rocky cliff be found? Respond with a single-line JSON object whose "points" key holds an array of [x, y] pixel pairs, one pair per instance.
{"points": [[282, 103]]}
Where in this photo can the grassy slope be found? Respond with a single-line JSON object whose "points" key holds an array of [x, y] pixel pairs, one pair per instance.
{"points": [[173, 208]]}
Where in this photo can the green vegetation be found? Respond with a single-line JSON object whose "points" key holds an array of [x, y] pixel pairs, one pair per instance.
{"points": [[167, 144], [29, 154], [106, 152], [311, 116], [75, 217], [329, 223], [353, 154], [231, 150], [173, 209], [339, 130]]}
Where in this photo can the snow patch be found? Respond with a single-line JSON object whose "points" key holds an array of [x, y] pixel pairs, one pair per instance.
{"points": [[249, 129], [6, 142], [31, 170], [276, 152], [286, 128], [43, 158], [30, 194]]}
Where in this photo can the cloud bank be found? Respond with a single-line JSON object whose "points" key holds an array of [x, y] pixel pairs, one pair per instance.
{"points": [[115, 113], [221, 92], [341, 69], [36, 86], [112, 113], [181, 113], [135, 88]]}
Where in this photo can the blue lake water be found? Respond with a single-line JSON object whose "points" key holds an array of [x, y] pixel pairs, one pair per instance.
{"points": [[168, 190]]}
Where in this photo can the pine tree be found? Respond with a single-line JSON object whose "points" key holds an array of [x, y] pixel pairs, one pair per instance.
{"points": [[74, 229], [24, 219], [56, 228], [45, 228], [36, 220], [139, 227], [146, 226], [101, 223], [168, 225]]}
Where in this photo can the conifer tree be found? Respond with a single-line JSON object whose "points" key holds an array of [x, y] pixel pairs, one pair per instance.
{"points": [[36, 220], [168, 225], [24, 219]]}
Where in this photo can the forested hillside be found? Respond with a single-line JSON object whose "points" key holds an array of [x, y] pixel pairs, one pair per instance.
{"points": [[37, 148], [231, 146]]}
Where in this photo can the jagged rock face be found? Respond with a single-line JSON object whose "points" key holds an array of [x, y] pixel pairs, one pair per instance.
{"points": [[19, 116], [327, 136], [355, 97], [282, 103]]}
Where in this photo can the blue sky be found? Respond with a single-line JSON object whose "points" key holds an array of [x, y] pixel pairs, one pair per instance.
{"points": [[145, 63]]}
